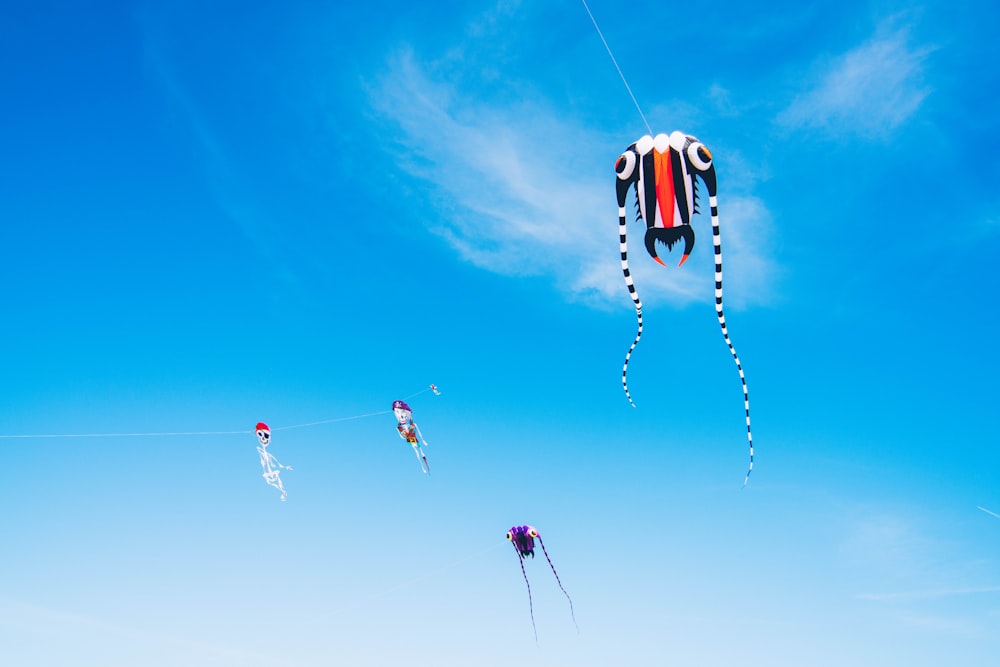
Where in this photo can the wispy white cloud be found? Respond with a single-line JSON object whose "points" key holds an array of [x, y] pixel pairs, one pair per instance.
{"points": [[928, 594], [868, 91], [914, 576], [940, 624], [61, 632], [990, 224], [232, 193], [886, 541], [525, 191]]}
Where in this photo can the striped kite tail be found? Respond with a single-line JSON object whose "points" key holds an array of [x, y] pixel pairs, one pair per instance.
{"points": [[635, 299], [717, 242]]}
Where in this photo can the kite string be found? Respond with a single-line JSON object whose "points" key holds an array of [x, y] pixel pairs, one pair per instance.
{"points": [[406, 398], [194, 433], [613, 60], [344, 419], [331, 421], [988, 511], [122, 435]]}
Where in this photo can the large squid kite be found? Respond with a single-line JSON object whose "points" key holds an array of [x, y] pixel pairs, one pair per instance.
{"points": [[523, 538], [663, 172]]}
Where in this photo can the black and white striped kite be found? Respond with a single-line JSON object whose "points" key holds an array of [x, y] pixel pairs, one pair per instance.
{"points": [[663, 172]]}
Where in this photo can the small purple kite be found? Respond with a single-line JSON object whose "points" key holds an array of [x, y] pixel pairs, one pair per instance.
{"points": [[523, 538]]}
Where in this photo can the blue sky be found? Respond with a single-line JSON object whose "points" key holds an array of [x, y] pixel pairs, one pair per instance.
{"points": [[216, 214]]}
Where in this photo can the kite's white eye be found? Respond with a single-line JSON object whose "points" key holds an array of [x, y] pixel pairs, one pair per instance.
{"points": [[699, 155], [625, 165], [532, 532], [510, 536]]}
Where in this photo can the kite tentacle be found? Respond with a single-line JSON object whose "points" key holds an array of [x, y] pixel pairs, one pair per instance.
{"points": [[717, 242], [571, 612], [635, 299], [531, 607]]}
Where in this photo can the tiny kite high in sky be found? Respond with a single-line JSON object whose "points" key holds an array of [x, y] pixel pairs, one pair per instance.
{"points": [[523, 538], [408, 430], [663, 171], [267, 461]]}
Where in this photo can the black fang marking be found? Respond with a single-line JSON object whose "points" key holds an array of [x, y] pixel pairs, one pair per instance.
{"points": [[669, 236]]}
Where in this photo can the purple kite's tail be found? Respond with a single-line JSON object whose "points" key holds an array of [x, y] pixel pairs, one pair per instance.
{"points": [[531, 607], [571, 613]]}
